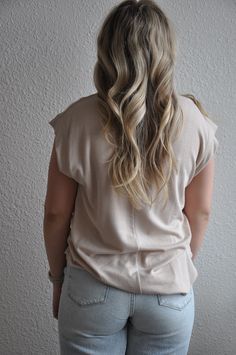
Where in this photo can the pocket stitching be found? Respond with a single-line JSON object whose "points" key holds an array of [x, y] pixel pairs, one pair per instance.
{"points": [[83, 301], [161, 301]]}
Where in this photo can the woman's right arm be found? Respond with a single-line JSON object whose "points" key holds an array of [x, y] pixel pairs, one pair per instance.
{"points": [[198, 198]]}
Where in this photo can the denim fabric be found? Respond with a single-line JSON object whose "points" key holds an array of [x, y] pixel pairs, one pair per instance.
{"points": [[97, 319]]}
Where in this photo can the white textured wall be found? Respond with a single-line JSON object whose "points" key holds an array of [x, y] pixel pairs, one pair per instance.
{"points": [[47, 58]]}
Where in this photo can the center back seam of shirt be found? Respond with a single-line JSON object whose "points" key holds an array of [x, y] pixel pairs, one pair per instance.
{"points": [[137, 254]]}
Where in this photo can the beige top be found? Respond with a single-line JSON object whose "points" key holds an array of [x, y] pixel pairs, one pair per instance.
{"points": [[144, 251]]}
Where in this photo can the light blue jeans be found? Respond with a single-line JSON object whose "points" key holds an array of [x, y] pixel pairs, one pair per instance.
{"points": [[97, 319]]}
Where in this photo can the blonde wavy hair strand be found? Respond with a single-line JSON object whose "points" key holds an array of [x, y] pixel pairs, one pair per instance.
{"points": [[134, 78]]}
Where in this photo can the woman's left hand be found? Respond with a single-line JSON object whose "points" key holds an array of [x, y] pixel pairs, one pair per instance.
{"points": [[56, 299]]}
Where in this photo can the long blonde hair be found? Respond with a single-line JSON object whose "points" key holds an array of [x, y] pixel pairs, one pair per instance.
{"points": [[134, 78]]}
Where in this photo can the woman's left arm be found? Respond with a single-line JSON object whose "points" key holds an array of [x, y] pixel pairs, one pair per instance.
{"points": [[58, 209]]}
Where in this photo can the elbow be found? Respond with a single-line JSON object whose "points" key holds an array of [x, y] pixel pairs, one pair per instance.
{"points": [[198, 214], [206, 215]]}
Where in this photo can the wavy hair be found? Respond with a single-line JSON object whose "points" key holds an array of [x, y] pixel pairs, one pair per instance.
{"points": [[134, 78]]}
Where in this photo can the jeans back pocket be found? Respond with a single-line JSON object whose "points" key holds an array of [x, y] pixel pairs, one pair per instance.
{"points": [[176, 300], [83, 288]]}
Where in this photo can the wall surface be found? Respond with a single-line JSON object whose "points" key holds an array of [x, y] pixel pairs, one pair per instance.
{"points": [[48, 50]]}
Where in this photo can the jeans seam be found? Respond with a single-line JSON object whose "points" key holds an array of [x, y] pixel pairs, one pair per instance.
{"points": [[132, 304]]}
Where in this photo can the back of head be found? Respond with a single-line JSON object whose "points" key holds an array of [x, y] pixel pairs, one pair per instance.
{"points": [[134, 78]]}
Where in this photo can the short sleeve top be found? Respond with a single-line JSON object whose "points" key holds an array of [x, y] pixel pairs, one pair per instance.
{"points": [[67, 131], [208, 144], [143, 251]]}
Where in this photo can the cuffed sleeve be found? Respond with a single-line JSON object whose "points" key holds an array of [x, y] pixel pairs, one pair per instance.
{"points": [[67, 159], [61, 131], [209, 145]]}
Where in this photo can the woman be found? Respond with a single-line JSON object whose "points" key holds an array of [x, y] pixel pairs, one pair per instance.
{"points": [[129, 195]]}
